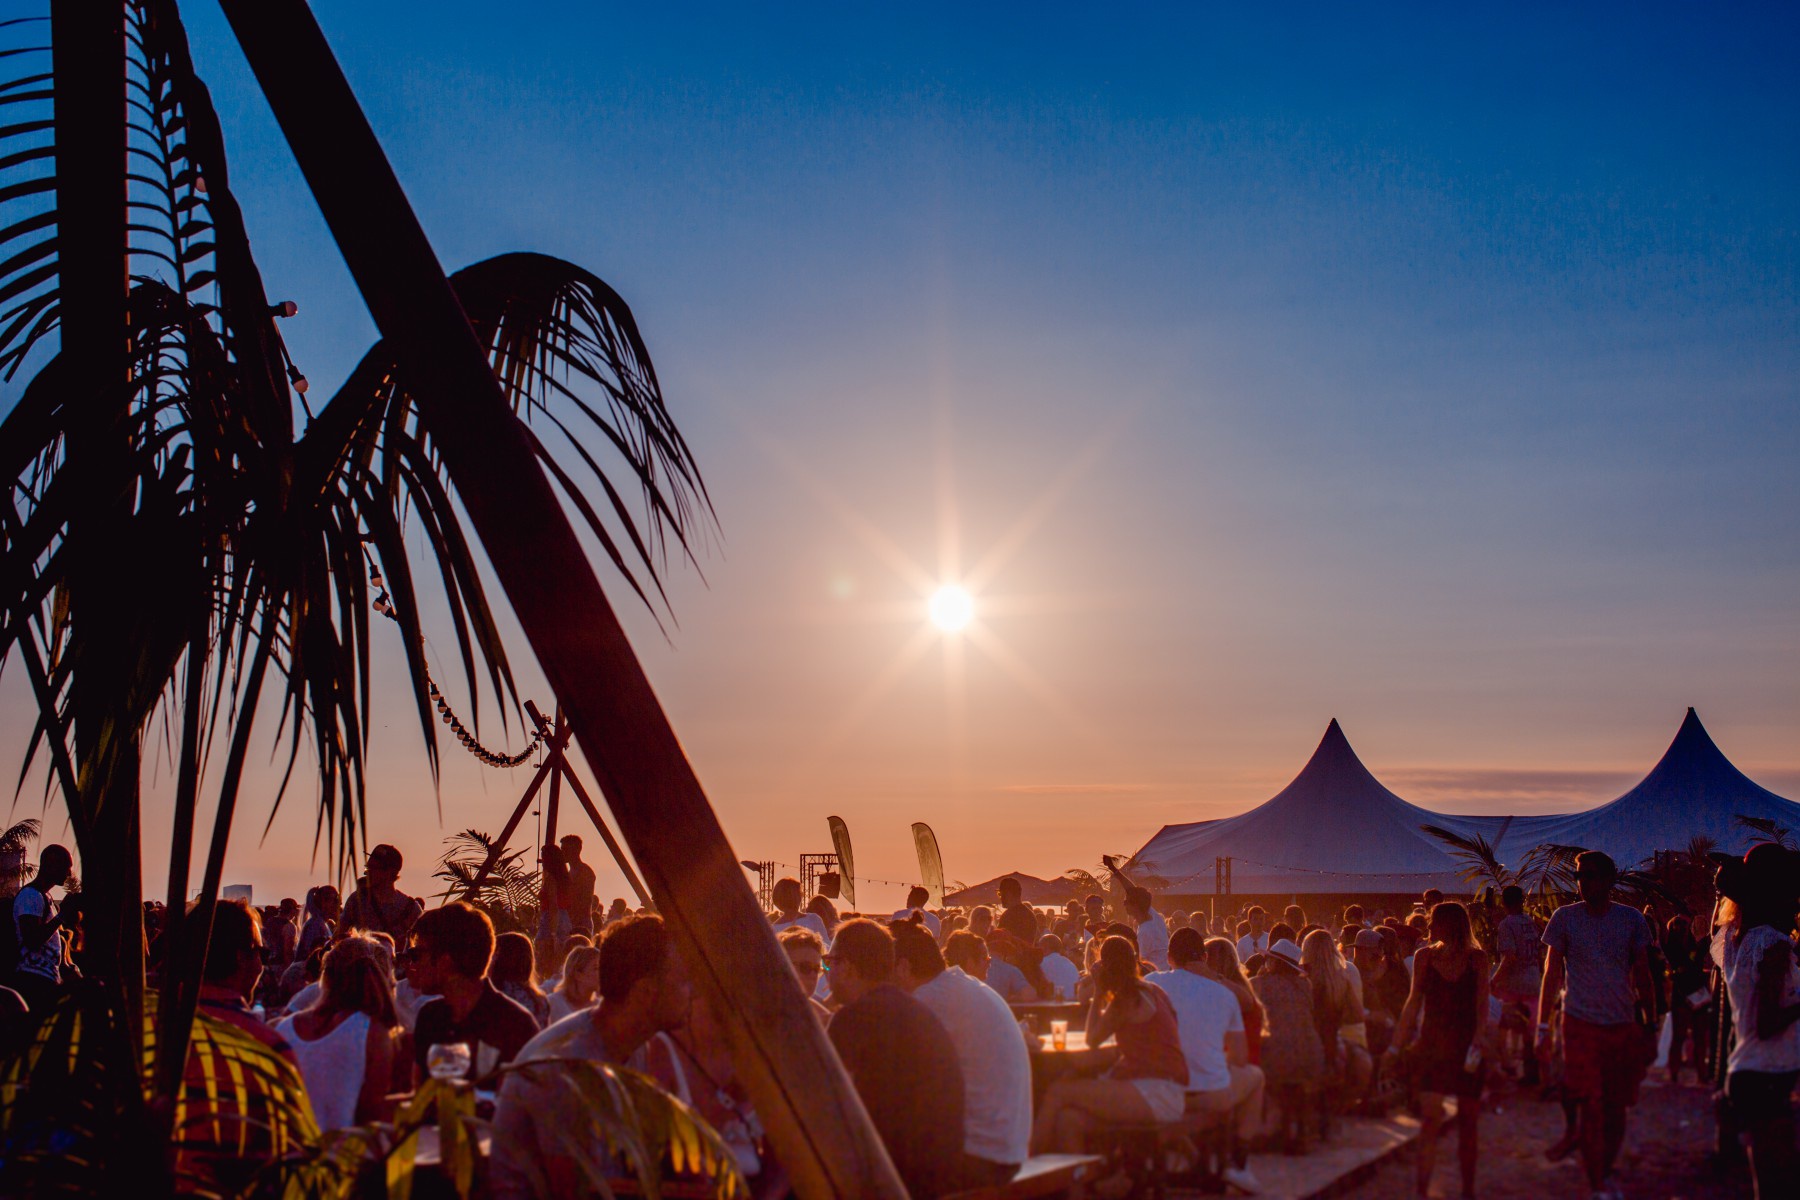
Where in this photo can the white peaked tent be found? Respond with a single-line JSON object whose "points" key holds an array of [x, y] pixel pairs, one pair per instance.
{"points": [[1694, 789], [1334, 830]]}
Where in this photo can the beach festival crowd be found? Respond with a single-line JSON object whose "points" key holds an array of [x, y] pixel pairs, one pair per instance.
{"points": [[1248, 1031]]}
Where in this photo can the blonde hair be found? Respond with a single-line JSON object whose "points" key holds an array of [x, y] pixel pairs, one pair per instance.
{"points": [[356, 978], [576, 959], [1323, 965]]}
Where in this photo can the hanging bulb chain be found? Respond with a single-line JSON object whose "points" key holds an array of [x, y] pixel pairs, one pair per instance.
{"points": [[384, 604]]}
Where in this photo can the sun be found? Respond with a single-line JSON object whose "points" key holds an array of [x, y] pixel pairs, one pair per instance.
{"points": [[951, 608]]}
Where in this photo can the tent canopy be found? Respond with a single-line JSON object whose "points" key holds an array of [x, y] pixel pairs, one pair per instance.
{"points": [[1334, 830], [1693, 789]]}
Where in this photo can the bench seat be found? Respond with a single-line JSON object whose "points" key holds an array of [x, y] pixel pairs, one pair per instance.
{"points": [[1041, 1175]]}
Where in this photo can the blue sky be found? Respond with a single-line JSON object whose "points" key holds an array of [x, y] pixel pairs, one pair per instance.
{"points": [[1431, 368]]}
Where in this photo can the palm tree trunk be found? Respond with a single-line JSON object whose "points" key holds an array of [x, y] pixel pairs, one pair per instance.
{"points": [[821, 1131], [88, 48]]}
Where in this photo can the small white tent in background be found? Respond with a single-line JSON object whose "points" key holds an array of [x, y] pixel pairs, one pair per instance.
{"points": [[1335, 830], [236, 891], [1693, 789]]}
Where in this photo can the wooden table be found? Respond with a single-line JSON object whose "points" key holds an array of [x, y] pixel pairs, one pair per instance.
{"points": [[1049, 1064], [1072, 1011]]}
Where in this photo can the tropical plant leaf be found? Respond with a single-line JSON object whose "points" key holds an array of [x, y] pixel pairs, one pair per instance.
{"points": [[1480, 864], [1768, 830]]}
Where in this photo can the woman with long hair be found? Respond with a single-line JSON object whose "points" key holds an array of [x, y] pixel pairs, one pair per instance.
{"points": [[1222, 960], [514, 973], [579, 986], [1148, 1082], [1444, 1030], [1754, 950], [346, 1043], [1337, 1010]]}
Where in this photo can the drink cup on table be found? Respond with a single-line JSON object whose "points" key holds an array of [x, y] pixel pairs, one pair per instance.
{"points": [[448, 1060], [1059, 1035]]}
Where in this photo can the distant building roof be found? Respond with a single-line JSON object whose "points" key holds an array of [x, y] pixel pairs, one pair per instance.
{"points": [[1035, 891]]}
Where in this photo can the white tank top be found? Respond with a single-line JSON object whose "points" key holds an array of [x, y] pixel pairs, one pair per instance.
{"points": [[333, 1068]]}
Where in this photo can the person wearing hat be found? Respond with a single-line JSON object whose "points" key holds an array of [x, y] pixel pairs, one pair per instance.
{"points": [[1600, 961], [1754, 952], [376, 904], [1291, 1051]]}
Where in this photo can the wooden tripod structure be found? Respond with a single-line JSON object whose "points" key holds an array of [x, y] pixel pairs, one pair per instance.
{"points": [[557, 770]]}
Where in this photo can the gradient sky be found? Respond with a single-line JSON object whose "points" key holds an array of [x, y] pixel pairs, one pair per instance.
{"points": [[1435, 370]]}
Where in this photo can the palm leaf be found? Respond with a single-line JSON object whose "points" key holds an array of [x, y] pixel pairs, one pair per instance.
{"points": [[1767, 829], [1548, 869], [1480, 864], [71, 1103], [626, 1120]]}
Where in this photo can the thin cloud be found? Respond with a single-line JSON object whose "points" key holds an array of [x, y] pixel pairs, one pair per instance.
{"points": [[1073, 789], [1567, 787]]}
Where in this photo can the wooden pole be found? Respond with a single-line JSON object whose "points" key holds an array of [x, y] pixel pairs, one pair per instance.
{"points": [[512, 823], [606, 835], [556, 777], [821, 1131]]}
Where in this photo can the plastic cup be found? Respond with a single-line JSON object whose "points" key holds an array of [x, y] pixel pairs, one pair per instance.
{"points": [[1059, 1035], [448, 1060]]}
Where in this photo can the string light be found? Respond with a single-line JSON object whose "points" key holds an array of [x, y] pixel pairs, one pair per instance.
{"points": [[384, 604], [1315, 871]]}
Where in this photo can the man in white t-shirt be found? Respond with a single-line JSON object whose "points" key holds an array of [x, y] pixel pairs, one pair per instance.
{"points": [[1257, 940], [1061, 973], [37, 931], [916, 900], [996, 1066], [786, 896], [1210, 1023], [1152, 930]]}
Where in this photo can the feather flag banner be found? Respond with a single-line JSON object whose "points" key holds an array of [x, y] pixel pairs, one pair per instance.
{"points": [[840, 842], [931, 863]]}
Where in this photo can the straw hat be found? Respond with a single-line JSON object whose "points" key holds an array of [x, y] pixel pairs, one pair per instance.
{"points": [[1287, 952]]}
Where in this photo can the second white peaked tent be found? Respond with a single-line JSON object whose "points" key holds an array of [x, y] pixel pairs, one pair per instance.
{"points": [[1693, 789], [1334, 830]]}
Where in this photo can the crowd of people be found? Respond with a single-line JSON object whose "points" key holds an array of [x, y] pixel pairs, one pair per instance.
{"points": [[1253, 1021]]}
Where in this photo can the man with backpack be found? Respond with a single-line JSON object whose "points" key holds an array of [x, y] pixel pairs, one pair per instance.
{"points": [[36, 949]]}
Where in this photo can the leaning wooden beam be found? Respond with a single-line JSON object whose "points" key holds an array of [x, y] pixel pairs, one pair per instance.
{"points": [[821, 1131]]}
